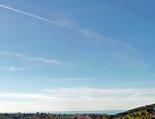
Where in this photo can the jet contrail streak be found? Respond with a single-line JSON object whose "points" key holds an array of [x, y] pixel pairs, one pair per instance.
{"points": [[31, 15]]}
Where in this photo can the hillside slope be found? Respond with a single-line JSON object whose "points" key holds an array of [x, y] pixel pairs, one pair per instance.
{"points": [[144, 112]]}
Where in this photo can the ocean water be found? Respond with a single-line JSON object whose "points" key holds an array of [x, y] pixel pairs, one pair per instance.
{"points": [[110, 112]]}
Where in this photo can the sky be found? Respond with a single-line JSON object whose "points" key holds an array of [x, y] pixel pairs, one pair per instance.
{"points": [[76, 55]]}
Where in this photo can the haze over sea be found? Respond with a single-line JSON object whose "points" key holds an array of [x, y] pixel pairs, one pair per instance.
{"points": [[81, 112], [88, 112]]}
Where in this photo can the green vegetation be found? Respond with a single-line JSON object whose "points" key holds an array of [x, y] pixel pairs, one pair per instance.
{"points": [[145, 112]]}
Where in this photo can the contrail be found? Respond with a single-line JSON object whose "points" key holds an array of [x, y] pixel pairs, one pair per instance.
{"points": [[31, 15]]}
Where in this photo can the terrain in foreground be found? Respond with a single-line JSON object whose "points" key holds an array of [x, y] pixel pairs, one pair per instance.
{"points": [[144, 112]]}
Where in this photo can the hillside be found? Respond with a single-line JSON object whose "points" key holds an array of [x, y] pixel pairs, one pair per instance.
{"points": [[144, 112]]}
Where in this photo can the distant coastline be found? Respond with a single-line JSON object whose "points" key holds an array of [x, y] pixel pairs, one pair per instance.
{"points": [[88, 112], [109, 112]]}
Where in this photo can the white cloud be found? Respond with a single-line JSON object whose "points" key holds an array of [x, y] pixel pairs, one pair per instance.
{"points": [[67, 23], [99, 92], [29, 96], [94, 35], [77, 99], [41, 59], [14, 68], [114, 46], [121, 51], [34, 59], [117, 49], [75, 79], [129, 59]]}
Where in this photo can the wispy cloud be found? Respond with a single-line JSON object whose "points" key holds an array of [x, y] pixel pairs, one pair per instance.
{"points": [[83, 98], [11, 54], [115, 43], [129, 59], [31, 15], [114, 46], [76, 79], [28, 96], [67, 94], [14, 68], [64, 22], [34, 59], [41, 59], [99, 92]]}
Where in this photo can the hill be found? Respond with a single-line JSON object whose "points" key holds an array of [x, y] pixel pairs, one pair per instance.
{"points": [[144, 112]]}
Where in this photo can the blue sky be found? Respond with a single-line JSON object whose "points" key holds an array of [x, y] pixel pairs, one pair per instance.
{"points": [[76, 55]]}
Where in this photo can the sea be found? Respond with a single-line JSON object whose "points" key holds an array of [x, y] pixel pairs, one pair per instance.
{"points": [[110, 112]]}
